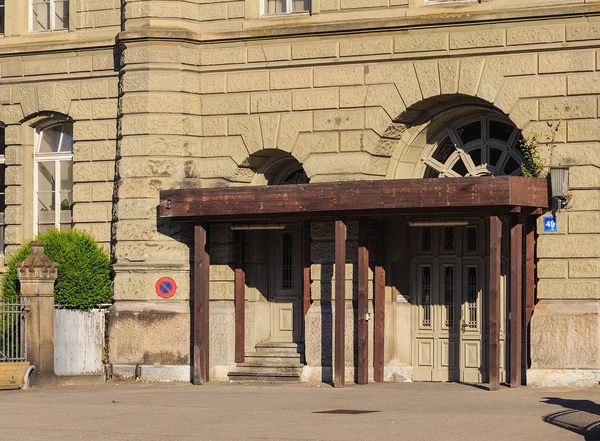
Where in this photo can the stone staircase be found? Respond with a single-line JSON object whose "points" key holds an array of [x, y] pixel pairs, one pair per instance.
{"points": [[271, 362]]}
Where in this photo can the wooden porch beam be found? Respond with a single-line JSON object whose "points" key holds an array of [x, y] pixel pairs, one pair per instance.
{"points": [[200, 323], [516, 301], [363, 302], [379, 305], [340, 304], [240, 297], [529, 280], [354, 198], [494, 308]]}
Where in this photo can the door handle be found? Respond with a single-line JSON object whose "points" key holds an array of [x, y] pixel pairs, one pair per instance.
{"points": [[464, 326]]}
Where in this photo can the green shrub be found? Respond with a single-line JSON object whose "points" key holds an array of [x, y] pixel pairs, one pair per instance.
{"points": [[83, 279]]}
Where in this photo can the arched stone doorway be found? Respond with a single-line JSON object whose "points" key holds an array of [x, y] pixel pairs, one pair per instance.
{"points": [[273, 260], [449, 258]]}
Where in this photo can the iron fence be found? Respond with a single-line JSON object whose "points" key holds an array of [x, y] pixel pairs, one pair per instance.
{"points": [[13, 345]]}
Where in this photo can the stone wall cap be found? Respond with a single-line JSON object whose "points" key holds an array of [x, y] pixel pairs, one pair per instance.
{"points": [[37, 259]]}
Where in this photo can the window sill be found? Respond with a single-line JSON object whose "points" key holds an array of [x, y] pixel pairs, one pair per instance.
{"points": [[48, 31], [285, 15]]}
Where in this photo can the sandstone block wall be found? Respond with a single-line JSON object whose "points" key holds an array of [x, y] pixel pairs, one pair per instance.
{"points": [[337, 105], [94, 14], [79, 87], [198, 94]]}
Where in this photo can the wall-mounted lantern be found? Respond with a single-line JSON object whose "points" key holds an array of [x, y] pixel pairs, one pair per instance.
{"points": [[559, 188]]}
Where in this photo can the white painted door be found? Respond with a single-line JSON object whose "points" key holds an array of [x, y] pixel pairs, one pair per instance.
{"points": [[449, 273], [286, 305]]}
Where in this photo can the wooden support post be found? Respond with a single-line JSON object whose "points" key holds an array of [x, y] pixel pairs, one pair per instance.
{"points": [[529, 280], [240, 297], [494, 307], [306, 266], [363, 302], [516, 301], [340, 304], [379, 305], [201, 304]]}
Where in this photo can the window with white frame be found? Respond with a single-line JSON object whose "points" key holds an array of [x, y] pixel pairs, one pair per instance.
{"points": [[53, 177], [2, 188], [48, 15], [276, 7]]}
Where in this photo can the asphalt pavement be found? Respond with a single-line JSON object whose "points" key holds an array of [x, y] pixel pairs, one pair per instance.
{"points": [[224, 412]]}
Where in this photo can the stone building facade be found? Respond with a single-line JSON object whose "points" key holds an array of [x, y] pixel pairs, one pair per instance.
{"points": [[105, 102]]}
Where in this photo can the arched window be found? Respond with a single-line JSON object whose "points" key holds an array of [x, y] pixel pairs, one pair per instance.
{"points": [[474, 146], [53, 177]]}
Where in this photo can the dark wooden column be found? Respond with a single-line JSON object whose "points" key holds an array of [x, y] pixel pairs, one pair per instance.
{"points": [[516, 301], [240, 297], [200, 305], [494, 306], [306, 266], [340, 304], [379, 305], [363, 302], [529, 279]]}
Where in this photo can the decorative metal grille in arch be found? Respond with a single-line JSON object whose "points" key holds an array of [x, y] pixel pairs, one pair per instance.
{"points": [[479, 145]]}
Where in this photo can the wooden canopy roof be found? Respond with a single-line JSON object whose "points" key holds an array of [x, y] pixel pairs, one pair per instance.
{"points": [[330, 200]]}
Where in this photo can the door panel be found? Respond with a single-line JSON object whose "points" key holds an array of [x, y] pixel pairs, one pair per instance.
{"points": [[285, 300], [472, 320]]}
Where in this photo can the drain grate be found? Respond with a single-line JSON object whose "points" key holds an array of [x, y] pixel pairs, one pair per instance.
{"points": [[347, 411]]}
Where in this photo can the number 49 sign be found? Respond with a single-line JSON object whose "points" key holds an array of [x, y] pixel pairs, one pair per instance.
{"points": [[550, 223]]}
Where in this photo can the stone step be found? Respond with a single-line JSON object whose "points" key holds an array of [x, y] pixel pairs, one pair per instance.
{"points": [[280, 346], [273, 361], [274, 356], [275, 364], [268, 370], [273, 377], [281, 350]]}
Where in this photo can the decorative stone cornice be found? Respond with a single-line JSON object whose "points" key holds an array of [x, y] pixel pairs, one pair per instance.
{"points": [[37, 266]]}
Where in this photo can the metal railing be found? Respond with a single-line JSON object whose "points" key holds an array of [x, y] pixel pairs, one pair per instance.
{"points": [[13, 346]]}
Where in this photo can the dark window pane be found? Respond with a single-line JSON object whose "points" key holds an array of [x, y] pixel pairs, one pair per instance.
{"points": [[296, 177], [511, 166], [449, 238], [431, 173], [287, 261], [471, 239], [426, 296], [495, 155], [470, 132], [476, 156], [460, 168], [1, 16], [501, 131], [444, 150], [449, 296], [426, 239], [2, 189]]}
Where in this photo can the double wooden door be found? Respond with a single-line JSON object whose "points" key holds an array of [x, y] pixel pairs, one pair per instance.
{"points": [[448, 280]]}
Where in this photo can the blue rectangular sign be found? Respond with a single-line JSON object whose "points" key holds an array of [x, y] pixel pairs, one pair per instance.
{"points": [[550, 223]]}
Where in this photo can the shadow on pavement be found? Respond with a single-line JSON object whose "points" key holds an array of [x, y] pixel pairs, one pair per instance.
{"points": [[579, 416]]}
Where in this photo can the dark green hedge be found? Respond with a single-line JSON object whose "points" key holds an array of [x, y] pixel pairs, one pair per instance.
{"points": [[83, 270]]}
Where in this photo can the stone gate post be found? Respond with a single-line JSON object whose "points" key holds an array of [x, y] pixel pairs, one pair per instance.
{"points": [[37, 274]]}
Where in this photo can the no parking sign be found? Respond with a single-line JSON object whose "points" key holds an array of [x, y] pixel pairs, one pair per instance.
{"points": [[166, 287]]}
